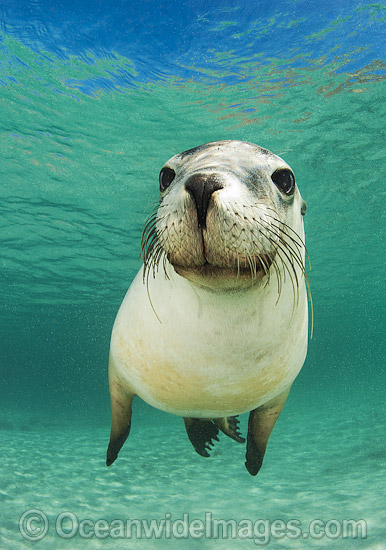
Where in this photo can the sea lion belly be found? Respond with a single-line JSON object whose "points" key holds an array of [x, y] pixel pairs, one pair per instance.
{"points": [[194, 353]]}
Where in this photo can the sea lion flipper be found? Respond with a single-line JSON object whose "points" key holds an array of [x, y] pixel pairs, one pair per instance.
{"points": [[230, 427], [201, 434], [260, 425], [121, 402]]}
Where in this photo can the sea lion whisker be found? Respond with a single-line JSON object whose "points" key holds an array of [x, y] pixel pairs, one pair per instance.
{"points": [[149, 253], [291, 241], [300, 239], [296, 257], [157, 257], [279, 247], [262, 263], [250, 262], [290, 258], [155, 209], [266, 269], [149, 297], [311, 303], [147, 240], [294, 253], [150, 222], [285, 266], [164, 265], [254, 265], [147, 234], [249, 259], [278, 278], [282, 228], [284, 224]]}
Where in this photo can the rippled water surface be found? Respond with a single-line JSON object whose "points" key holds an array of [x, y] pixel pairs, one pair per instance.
{"points": [[94, 98]]}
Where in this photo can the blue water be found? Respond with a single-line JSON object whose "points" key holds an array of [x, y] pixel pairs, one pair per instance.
{"points": [[94, 98]]}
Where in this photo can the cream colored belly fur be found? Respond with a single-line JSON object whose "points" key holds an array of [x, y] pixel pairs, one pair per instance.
{"points": [[197, 353]]}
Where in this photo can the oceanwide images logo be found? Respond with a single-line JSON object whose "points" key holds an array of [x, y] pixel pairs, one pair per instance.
{"points": [[34, 525]]}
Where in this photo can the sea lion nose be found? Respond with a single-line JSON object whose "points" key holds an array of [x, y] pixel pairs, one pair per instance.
{"points": [[202, 187]]}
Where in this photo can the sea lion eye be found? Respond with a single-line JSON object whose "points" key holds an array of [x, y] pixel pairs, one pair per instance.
{"points": [[166, 176], [284, 180]]}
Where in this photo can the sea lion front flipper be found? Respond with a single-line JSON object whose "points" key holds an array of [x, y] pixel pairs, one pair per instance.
{"points": [[201, 433], [121, 402], [230, 427], [260, 425]]}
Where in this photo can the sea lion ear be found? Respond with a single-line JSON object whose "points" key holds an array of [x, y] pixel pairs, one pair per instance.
{"points": [[303, 208]]}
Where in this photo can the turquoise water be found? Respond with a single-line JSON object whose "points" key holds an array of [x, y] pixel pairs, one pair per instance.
{"points": [[93, 100]]}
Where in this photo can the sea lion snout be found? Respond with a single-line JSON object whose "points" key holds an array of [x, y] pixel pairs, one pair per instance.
{"points": [[201, 187]]}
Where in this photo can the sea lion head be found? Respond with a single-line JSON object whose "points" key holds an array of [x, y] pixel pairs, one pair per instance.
{"points": [[230, 215]]}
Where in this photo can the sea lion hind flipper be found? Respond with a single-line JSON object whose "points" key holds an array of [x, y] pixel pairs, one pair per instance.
{"points": [[260, 425], [115, 446], [201, 434], [121, 402], [230, 427]]}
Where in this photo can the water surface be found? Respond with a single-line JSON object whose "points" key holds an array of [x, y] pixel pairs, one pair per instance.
{"points": [[94, 98]]}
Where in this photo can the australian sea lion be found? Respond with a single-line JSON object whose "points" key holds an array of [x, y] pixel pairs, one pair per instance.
{"points": [[215, 323]]}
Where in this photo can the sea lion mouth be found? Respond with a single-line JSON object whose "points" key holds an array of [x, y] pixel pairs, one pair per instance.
{"points": [[251, 267], [233, 251], [229, 268], [208, 256]]}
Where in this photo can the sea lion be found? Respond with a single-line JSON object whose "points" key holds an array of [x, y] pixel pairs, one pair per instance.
{"points": [[215, 323]]}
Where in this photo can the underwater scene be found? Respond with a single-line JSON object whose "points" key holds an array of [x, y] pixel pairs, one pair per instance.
{"points": [[95, 97]]}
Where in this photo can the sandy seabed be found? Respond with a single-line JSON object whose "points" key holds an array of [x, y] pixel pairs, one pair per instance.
{"points": [[329, 467]]}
